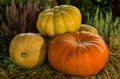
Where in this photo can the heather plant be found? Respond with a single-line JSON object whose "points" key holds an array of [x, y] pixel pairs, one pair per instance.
{"points": [[3, 4], [20, 18]]}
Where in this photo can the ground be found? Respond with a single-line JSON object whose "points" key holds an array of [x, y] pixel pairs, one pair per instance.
{"points": [[45, 71]]}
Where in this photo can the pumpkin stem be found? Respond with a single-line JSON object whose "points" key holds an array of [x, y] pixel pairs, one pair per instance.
{"points": [[23, 54], [78, 41], [56, 9]]}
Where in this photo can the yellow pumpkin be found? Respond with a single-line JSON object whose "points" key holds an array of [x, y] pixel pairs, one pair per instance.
{"points": [[59, 20], [88, 28], [27, 50]]}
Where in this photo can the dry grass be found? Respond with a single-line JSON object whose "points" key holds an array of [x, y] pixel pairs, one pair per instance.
{"points": [[45, 71], [111, 34]]}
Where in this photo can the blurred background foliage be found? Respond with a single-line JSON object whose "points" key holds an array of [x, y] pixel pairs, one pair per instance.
{"points": [[18, 16], [91, 5], [31, 7], [84, 5]]}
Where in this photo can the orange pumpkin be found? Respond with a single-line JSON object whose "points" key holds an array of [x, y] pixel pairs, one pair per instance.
{"points": [[80, 53]]}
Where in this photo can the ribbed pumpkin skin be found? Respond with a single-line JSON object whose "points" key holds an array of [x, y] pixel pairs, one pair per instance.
{"points": [[88, 28], [80, 53], [27, 50], [58, 20]]}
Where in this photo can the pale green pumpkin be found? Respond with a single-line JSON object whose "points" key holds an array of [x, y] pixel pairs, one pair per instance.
{"points": [[88, 28]]}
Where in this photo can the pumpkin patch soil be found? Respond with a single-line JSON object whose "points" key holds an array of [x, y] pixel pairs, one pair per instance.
{"points": [[45, 71]]}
